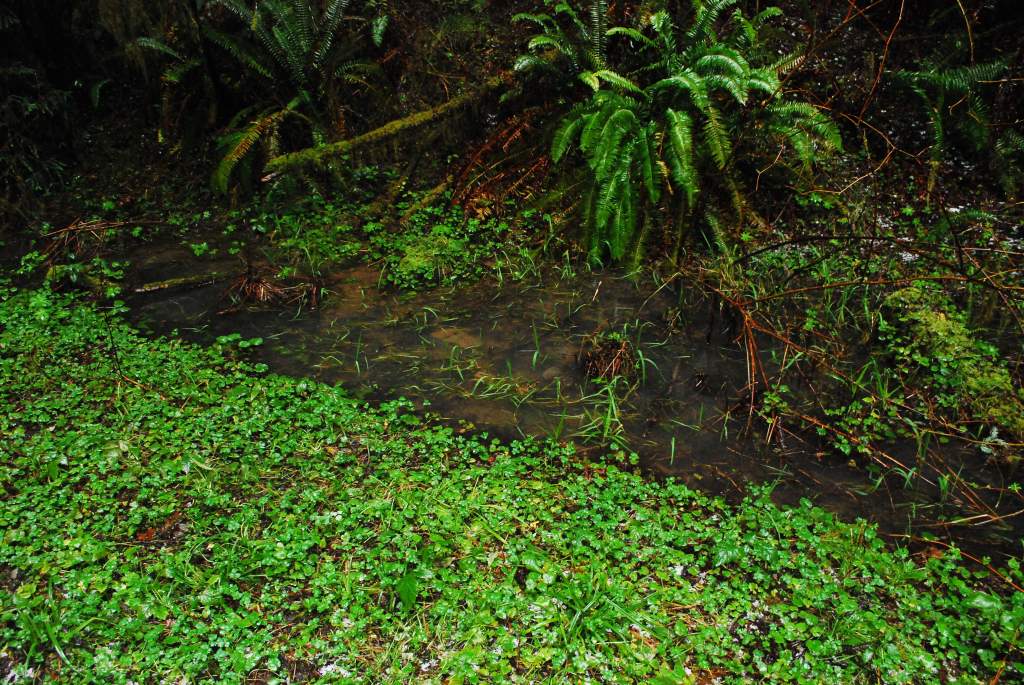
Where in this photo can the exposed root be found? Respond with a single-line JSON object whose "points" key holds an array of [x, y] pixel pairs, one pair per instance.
{"points": [[253, 288], [607, 356]]}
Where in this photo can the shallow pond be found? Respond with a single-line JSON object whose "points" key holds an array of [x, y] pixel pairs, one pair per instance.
{"points": [[506, 359]]}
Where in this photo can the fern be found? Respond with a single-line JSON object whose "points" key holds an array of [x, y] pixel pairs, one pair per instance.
{"points": [[631, 34], [566, 132], [242, 53], [679, 130], [297, 48], [705, 16], [181, 66], [330, 21], [595, 78], [765, 81], [377, 29], [597, 29], [664, 124], [1010, 144], [238, 144], [805, 129], [356, 73], [1009, 161], [647, 159], [957, 80], [299, 44], [578, 47], [934, 87]]}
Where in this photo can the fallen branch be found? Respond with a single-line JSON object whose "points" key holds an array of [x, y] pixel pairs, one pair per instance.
{"points": [[180, 282], [428, 199]]}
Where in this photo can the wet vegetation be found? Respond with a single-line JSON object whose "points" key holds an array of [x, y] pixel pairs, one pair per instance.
{"points": [[354, 341]]}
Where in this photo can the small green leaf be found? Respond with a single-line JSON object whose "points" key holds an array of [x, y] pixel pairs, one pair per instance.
{"points": [[408, 590]]}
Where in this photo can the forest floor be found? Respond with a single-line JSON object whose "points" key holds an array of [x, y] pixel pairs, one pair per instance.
{"points": [[173, 513], [178, 513], [500, 395]]}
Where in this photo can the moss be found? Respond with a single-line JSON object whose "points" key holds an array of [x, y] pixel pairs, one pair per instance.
{"points": [[931, 337]]}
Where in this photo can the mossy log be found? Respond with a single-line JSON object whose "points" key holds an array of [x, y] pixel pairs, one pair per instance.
{"points": [[322, 153]]}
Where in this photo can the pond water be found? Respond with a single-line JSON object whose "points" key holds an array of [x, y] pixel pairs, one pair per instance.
{"points": [[505, 359]]}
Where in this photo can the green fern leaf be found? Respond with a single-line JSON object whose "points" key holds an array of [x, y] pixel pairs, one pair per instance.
{"points": [[301, 18], [607, 199], [623, 222], [542, 21], [745, 27], [293, 49], [688, 82], [604, 105], [631, 34], [616, 80], [328, 29], [716, 137], [549, 41], [610, 151], [763, 81], [736, 88], [564, 136], [646, 157], [706, 15], [597, 30], [526, 63], [236, 7], [590, 78], [723, 61], [788, 63], [377, 29], [1010, 143], [766, 15], [239, 144], [679, 131], [159, 46], [238, 50]]}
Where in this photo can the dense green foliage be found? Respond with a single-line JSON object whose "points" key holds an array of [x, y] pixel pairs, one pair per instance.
{"points": [[907, 339], [174, 513], [435, 246], [301, 52], [666, 121], [930, 337]]}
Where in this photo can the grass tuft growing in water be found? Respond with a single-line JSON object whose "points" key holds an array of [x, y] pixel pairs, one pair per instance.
{"points": [[174, 514]]}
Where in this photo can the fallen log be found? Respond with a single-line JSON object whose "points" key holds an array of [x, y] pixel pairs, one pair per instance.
{"points": [[322, 153]]}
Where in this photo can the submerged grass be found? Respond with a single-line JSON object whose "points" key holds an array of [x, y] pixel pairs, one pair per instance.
{"points": [[173, 514]]}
